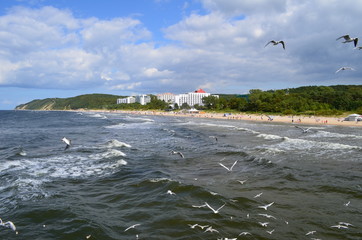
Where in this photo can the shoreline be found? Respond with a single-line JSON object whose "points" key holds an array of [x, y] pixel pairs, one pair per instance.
{"points": [[302, 120]]}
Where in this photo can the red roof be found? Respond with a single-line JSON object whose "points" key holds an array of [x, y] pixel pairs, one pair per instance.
{"points": [[200, 91]]}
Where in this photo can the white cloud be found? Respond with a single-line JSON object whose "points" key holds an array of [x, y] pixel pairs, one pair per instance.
{"points": [[221, 51]]}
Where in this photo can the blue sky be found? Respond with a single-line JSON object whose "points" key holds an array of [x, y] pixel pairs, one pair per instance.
{"points": [[65, 48]]}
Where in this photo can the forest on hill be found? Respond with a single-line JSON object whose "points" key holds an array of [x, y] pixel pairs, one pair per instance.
{"points": [[313, 100]]}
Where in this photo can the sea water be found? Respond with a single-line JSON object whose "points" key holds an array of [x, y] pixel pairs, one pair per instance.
{"points": [[119, 170]]}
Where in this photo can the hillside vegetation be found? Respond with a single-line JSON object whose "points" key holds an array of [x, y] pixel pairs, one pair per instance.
{"points": [[88, 101], [313, 100]]}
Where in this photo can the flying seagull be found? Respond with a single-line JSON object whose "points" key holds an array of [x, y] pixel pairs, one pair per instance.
{"points": [[344, 68], [276, 43], [347, 39], [133, 226], [179, 153], [266, 206], [212, 209], [229, 169], [67, 141], [305, 130]]}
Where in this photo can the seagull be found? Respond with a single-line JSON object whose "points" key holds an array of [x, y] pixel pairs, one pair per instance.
{"points": [[266, 206], [270, 232], [270, 118], [347, 39], [133, 226], [210, 229], [179, 153], [305, 130], [242, 181], [213, 137], [229, 169], [266, 215], [346, 224], [215, 211], [310, 233], [258, 195], [264, 224], [67, 141], [276, 43], [244, 233], [345, 68], [199, 206], [9, 224], [347, 203], [170, 192], [194, 225], [339, 226]]}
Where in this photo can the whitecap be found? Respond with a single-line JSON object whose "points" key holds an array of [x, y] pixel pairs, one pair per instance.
{"points": [[108, 154], [115, 143], [269, 136]]}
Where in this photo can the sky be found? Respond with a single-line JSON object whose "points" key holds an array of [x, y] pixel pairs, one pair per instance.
{"points": [[66, 48]]}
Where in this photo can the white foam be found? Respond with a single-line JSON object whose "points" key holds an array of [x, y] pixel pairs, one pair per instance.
{"points": [[335, 135], [115, 143], [109, 154], [269, 136], [291, 143]]}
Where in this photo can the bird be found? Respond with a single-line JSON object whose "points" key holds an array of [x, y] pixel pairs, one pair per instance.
{"points": [[347, 203], [67, 142], [170, 192], [179, 153], [258, 195], [213, 137], [345, 68], [266, 206], [347, 39], [9, 224], [276, 43], [199, 206], [244, 233], [242, 181], [270, 232], [210, 229], [339, 226], [215, 211], [305, 130], [346, 224], [133, 226], [229, 169], [264, 224], [266, 215], [310, 233]]}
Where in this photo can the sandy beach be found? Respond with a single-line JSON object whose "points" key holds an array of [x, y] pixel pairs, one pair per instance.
{"points": [[307, 120]]}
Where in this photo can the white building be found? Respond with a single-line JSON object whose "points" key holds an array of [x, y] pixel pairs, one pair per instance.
{"points": [[126, 100], [192, 98], [167, 97], [143, 99]]}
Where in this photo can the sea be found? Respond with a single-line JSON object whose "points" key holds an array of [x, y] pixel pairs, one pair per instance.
{"points": [[119, 179]]}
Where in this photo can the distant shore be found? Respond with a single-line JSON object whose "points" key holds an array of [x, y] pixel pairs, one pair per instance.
{"points": [[307, 120]]}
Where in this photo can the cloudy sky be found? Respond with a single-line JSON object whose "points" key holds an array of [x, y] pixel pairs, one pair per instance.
{"points": [[65, 48]]}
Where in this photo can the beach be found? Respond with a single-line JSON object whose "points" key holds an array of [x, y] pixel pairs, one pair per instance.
{"points": [[307, 120]]}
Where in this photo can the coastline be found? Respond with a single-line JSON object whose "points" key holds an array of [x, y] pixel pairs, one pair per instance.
{"points": [[300, 120]]}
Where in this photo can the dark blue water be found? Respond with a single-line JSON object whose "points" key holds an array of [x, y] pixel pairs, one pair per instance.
{"points": [[119, 170]]}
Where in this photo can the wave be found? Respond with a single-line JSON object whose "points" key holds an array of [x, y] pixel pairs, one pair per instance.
{"points": [[270, 136], [109, 154], [336, 135], [115, 143], [308, 144]]}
